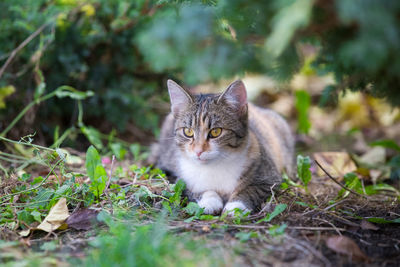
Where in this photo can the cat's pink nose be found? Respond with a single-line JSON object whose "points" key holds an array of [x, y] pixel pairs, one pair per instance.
{"points": [[198, 153]]}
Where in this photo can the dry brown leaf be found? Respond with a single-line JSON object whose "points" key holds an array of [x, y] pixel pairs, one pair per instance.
{"points": [[206, 229], [336, 164], [346, 246], [82, 219], [366, 225], [56, 217]]}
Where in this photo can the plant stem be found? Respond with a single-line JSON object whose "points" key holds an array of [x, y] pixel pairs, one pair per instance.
{"points": [[22, 45], [342, 186], [5, 172], [26, 144], [63, 137], [28, 107]]}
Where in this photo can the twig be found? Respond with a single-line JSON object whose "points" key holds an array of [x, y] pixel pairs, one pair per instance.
{"points": [[307, 246], [110, 174], [22, 45], [331, 224], [268, 205], [265, 227], [334, 204], [342, 220], [342, 186], [26, 144]]}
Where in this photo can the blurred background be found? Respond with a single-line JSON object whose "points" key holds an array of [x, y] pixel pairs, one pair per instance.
{"points": [[81, 72]]}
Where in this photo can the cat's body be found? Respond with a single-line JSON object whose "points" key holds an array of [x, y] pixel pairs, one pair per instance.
{"points": [[228, 152]]}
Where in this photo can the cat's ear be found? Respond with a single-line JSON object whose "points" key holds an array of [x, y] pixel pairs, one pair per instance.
{"points": [[179, 97], [235, 95]]}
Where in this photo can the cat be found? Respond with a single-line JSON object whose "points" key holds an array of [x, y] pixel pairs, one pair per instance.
{"points": [[229, 152]]}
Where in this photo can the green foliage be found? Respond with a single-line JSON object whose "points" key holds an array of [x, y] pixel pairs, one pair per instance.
{"points": [[149, 245], [88, 46], [118, 150], [196, 213], [303, 169], [246, 236], [303, 101], [175, 194], [394, 162], [144, 193], [289, 18], [382, 220], [387, 143], [277, 230], [5, 92], [395, 165], [277, 210], [93, 135], [96, 172], [123, 51], [361, 54], [352, 182]]}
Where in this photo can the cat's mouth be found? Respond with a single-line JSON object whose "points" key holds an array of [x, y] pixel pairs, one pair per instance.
{"points": [[202, 159]]}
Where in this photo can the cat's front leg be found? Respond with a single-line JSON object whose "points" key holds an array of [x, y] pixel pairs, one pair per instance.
{"points": [[250, 195], [211, 202]]}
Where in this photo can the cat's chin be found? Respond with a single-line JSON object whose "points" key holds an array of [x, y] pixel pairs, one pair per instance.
{"points": [[202, 161]]}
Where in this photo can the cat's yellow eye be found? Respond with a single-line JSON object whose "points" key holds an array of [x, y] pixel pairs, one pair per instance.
{"points": [[215, 132], [188, 132]]}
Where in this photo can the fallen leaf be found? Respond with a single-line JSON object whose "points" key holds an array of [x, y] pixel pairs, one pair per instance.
{"points": [[375, 174], [352, 111], [366, 225], [25, 232], [336, 164], [74, 160], [82, 219], [206, 229], [374, 157], [346, 246], [56, 217]]}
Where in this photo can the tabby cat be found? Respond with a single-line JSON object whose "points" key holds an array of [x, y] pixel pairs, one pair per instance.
{"points": [[227, 151]]}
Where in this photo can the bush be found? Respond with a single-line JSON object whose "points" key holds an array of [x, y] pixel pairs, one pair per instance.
{"points": [[88, 45], [125, 50]]}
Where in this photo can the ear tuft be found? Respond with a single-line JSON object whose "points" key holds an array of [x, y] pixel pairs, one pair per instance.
{"points": [[179, 97], [235, 95]]}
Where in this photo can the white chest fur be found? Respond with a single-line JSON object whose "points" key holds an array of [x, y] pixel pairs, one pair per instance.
{"points": [[221, 176]]}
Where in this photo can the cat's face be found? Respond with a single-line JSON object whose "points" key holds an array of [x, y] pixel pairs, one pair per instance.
{"points": [[208, 128]]}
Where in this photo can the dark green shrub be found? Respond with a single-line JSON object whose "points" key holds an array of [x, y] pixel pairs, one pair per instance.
{"points": [[125, 50]]}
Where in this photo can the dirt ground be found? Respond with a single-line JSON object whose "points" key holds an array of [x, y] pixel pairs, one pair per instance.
{"points": [[321, 229], [303, 243]]}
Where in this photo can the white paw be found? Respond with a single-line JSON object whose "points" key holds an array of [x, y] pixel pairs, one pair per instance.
{"points": [[211, 202], [231, 206]]}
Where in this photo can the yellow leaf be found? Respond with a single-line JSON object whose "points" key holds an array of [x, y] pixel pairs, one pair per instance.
{"points": [[336, 164], [4, 92], [88, 9], [56, 217], [353, 110]]}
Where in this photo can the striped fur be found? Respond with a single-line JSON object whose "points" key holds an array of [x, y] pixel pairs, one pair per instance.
{"points": [[237, 168]]}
